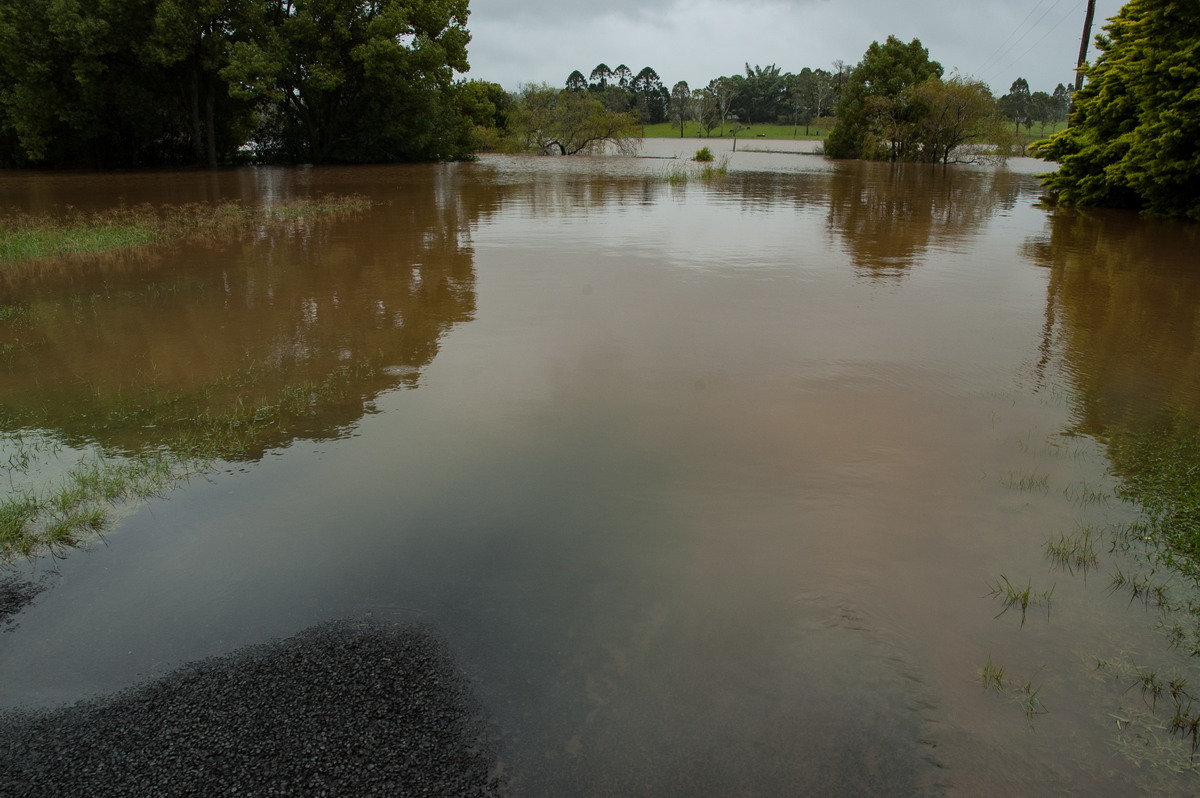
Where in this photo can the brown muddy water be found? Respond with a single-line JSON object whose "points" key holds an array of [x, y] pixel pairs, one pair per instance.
{"points": [[706, 482]]}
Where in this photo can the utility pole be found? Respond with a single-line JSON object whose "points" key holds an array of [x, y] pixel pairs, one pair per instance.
{"points": [[1083, 44]]}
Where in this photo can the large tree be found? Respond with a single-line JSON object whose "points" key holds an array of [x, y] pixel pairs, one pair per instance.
{"points": [[810, 92], [79, 88], [681, 104], [724, 92], [951, 114], [127, 83], [874, 106], [1017, 105], [192, 39], [576, 81], [554, 121], [1132, 139], [650, 96], [704, 104], [600, 76], [357, 80], [761, 95]]}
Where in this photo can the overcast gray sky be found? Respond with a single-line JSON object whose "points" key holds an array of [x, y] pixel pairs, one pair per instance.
{"points": [[531, 41]]}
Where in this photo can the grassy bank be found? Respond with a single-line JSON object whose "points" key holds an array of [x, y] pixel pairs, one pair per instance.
{"points": [[25, 237]]}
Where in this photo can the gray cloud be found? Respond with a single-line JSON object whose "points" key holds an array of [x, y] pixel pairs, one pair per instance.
{"points": [[527, 41]]}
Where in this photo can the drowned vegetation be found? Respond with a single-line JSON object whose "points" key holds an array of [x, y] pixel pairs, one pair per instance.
{"points": [[895, 106]]}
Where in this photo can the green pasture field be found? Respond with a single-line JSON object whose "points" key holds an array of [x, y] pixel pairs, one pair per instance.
{"points": [[813, 132], [692, 130]]}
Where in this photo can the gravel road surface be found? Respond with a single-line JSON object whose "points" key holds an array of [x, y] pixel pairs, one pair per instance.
{"points": [[342, 709]]}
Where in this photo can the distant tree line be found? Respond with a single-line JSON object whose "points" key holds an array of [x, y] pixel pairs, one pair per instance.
{"points": [[621, 91], [762, 94], [1022, 107], [769, 95], [131, 83]]}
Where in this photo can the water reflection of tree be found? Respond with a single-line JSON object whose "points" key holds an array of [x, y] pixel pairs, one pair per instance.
{"points": [[575, 193], [322, 314], [889, 215], [1123, 321], [767, 191], [1123, 309]]}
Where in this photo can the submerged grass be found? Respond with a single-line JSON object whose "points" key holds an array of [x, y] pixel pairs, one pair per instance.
{"points": [[62, 513], [40, 511], [46, 513], [24, 237], [1024, 694], [1160, 471], [1074, 551], [1169, 707], [1023, 598], [702, 169], [1026, 480]]}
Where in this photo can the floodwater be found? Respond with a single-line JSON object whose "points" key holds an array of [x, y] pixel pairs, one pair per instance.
{"points": [[705, 482]]}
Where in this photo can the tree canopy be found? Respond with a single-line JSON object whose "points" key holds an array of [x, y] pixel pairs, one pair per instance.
{"points": [[554, 121], [875, 105], [622, 90], [1132, 139], [97, 83], [894, 106]]}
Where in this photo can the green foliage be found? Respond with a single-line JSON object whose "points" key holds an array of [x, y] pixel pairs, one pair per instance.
{"points": [[345, 81], [560, 121], [947, 115], [60, 514], [190, 38], [1017, 104], [703, 154], [896, 107], [761, 94], [487, 107], [1023, 107], [620, 90], [809, 96], [104, 84], [77, 87], [681, 105], [1132, 140], [875, 105]]}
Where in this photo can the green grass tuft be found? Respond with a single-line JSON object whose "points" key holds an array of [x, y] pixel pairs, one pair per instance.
{"points": [[1074, 551], [1023, 598]]}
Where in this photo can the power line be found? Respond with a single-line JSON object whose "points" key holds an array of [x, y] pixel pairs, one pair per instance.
{"points": [[995, 52], [1070, 13], [1000, 64]]}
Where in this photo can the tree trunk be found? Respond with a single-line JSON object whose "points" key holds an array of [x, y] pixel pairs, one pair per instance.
{"points": [[211, 124], [197, 141]]}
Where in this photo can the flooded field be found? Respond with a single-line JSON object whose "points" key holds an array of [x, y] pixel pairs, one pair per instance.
{"points": [[794, 479]]}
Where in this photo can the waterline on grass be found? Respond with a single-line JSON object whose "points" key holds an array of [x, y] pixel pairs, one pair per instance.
{"points": [[24, 237]]}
